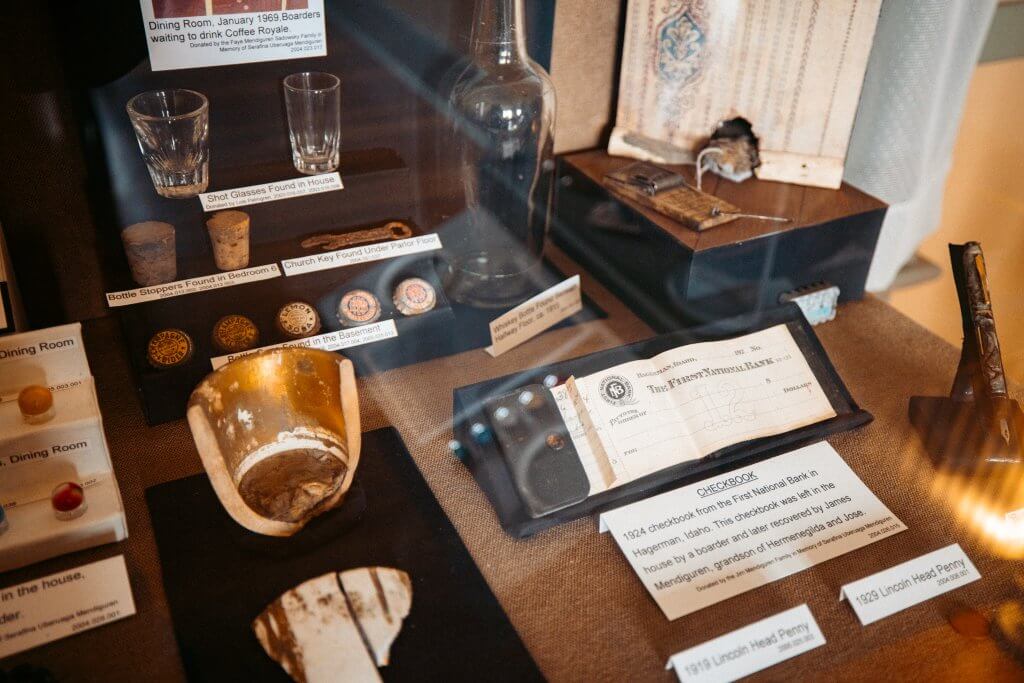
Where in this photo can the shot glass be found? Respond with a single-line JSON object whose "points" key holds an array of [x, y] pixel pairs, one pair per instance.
{"points": [[172, 127], [313, 102]]}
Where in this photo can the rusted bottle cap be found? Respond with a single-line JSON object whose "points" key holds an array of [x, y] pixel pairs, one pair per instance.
{"points": [[234, 333], [169, 348]]}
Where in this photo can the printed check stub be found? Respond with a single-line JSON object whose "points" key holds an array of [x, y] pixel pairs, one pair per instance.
{"points": [[685, 403]]}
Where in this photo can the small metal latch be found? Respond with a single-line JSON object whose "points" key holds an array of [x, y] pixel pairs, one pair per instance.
{"points": [[647, 178]]}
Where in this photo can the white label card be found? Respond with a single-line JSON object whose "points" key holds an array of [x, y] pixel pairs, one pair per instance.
{"points": [[192, 285], [29, 345], [53, 356], [536, 315], [330, 341], [270, 192], [883, 594], [749, 649], [363, 254], [703, 543], [59, 605], [185, 34]]}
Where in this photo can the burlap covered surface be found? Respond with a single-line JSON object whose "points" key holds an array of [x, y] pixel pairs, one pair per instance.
{"points": [[569, 591]]}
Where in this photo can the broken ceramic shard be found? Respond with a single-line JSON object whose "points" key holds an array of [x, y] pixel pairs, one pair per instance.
{"points": [[380, 598], [336, 627], [278, 434], [291, 486]]}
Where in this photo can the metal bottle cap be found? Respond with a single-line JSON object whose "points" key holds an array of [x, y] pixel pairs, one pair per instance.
{"points": [[358, 307], [234, 333], [298, 319], [169, 348], [414, 296]]}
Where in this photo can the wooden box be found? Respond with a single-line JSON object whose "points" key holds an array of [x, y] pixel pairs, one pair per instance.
{"points": [[673, 276]]}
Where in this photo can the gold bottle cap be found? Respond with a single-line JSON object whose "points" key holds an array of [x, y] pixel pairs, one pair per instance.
{"points": [[36, 404], [414, 296], [169, 348], [358, 307], [234, 333], [298, 319]]}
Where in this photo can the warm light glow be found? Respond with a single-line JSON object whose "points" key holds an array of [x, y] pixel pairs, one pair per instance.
{"points": [[269, 373], [987, 505]]}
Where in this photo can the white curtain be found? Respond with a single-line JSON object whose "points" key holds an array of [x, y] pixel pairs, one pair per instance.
{"points": [[921, 62]]}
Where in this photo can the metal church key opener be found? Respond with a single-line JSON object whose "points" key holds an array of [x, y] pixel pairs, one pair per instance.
{"points": [[395, 230]]}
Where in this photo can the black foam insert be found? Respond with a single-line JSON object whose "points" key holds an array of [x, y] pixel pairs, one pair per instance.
{"points": [[218, 576]]}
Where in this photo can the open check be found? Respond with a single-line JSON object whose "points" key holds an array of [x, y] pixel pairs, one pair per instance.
{"points": [[643, 416]]}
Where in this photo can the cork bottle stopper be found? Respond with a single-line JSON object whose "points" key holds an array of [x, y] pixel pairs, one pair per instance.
{"points": [[147, 232], [225, 220]]}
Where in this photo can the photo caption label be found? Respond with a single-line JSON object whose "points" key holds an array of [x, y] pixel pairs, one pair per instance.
{"points": [[895, 589], [201, 38], [62, 604], [330, 341], [363, 254], [750, 649], [712, 540], [271, 192], [192, 285]]}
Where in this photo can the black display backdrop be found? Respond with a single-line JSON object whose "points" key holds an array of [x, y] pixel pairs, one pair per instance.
{"points": [[393, 167], [219, 576]]}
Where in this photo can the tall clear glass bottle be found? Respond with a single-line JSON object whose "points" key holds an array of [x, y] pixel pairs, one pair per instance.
{"points": [[503, 111]]}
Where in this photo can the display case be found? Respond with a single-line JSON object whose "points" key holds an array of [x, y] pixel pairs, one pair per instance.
{"points": [[408, 350]]}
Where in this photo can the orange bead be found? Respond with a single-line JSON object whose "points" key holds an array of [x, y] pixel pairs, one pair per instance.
{"points": [[36, 404]]}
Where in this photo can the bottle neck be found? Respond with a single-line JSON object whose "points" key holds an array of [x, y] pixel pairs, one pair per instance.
{"points": [[498, 32]]}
